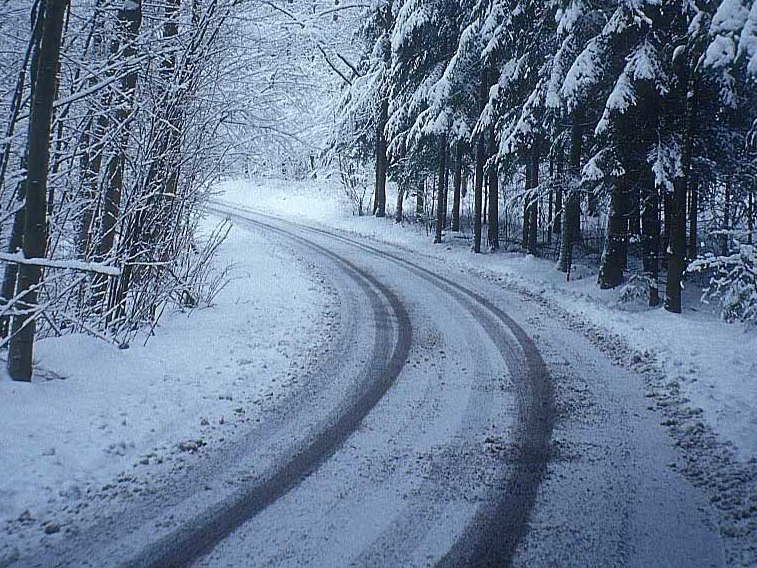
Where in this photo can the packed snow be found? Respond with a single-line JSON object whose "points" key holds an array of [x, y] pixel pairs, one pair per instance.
{"points": [[715, 363], [94, 411]]}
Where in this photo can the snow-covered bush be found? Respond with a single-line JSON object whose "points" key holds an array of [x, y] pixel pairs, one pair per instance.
{"points": [[733, 283], [635, 294]]}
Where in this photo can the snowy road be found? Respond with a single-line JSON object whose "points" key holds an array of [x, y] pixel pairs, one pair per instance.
{"points": [[433, 430]]}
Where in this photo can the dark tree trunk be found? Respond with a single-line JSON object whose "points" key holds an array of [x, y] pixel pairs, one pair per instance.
{"points": [[478, 183], [550, 201], [667, 222], [38, 143], [694, 218], [458, 183], [650, 228], [399, 213], [527, 205], [677, 247], [441, 191], [614, 255], [130, 19], [445, 185], [571, 215], [379, 201], [750, 217], [725, 238], [493, 177], [30, 57], [16, 240], [557, 223], [533, 221], [11, 269], [419, 199]]}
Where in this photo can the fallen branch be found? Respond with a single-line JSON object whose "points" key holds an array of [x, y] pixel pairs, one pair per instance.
{"points": [[78, 265]]}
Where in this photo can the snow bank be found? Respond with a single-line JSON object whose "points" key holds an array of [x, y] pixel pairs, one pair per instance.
{"points": [[94, 411]]}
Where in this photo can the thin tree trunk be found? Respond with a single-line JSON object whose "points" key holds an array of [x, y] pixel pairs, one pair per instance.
{"points": [[30, 57], [526, 204], [650, 227], [130, 19], [10, 275], [493, 227], [571, 215], [694, 218], [458, 184], [399, 213], [533, 223], [677, 247], [485, 210], [441, 190], [557, 223], [750, 217], [667, 216], [725, 237], [478, 182], [550, 201], [379, 202], [35, 238], [419, 199]]}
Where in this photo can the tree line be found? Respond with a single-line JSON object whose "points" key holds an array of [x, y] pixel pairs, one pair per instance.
{"points": [[642, 113], [111, 113]]}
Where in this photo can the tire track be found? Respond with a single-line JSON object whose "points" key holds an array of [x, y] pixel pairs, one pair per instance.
{"points": [[203, 532], [497, 529]]}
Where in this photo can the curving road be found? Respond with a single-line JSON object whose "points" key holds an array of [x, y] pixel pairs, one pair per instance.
{"points": [[433, 430]]}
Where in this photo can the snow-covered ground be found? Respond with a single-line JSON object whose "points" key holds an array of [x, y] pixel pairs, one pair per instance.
{"points": [[711, 365], [94, 411]]}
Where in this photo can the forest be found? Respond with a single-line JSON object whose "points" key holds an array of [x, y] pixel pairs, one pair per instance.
{"points": [[622, 127], [117, 116], [625, 128]]}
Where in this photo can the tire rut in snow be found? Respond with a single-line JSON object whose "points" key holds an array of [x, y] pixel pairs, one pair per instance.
{"points": [[498, 528], [197, 538]]}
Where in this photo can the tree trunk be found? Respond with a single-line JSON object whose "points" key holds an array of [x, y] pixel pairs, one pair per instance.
{"points": [[725, 238], [379, 202], [650, 228], [130, 19], [667, 222], [441, 191], [478, 183], [571, 215], [419, 199], [493, 227], [677, 248], [694, 218], [550, 201], [38, 142], [533, 222], [557, 222], [614, 255], [16, 240], [399, 213], [750, 217], [527, 205], [458, 184]]}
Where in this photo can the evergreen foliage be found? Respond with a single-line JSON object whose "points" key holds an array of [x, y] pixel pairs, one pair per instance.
{"points": [[637, 114]]}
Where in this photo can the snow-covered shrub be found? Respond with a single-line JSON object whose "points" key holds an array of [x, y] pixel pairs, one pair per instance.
{"points": [[635, 294], [733, 283]]}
